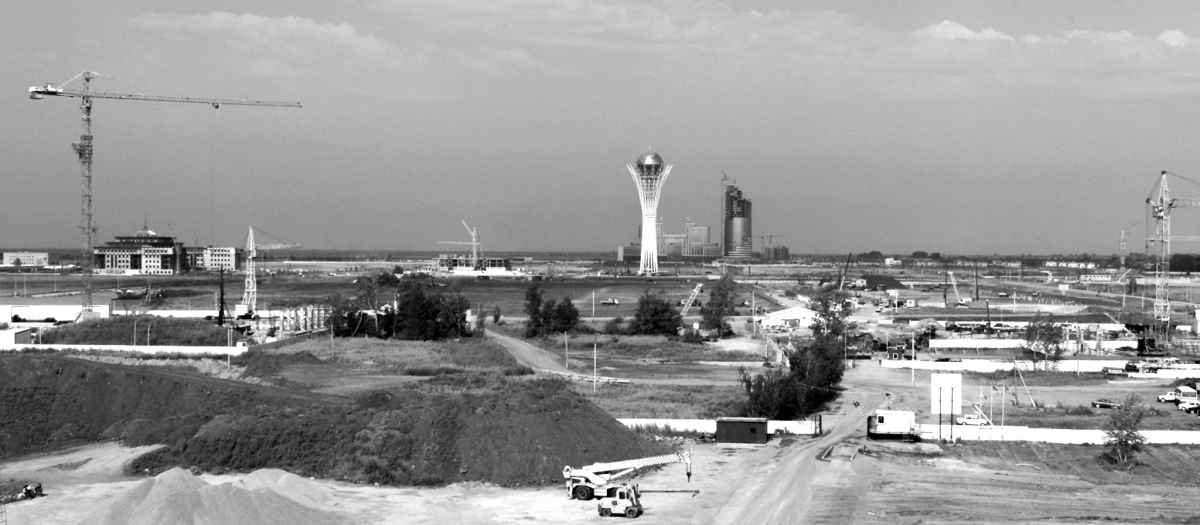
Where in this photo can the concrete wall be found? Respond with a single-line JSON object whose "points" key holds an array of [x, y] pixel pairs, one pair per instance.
{"points": [[988, 365], [807, 428], [1004, 344], [1049, 435], [975, 344], [193, 350], [38, 312]]}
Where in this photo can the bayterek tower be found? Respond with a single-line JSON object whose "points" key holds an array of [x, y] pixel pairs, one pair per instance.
{"points": [[649, 174]]}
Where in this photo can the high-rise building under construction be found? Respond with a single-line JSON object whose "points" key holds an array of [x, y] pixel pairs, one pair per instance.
{"points": [[736, 235]]}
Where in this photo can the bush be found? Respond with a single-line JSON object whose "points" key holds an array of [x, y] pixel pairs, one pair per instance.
{"points": [[655, 316]]}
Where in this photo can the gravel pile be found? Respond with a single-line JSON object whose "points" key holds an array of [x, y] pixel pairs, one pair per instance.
{"points": [[176, 497]]}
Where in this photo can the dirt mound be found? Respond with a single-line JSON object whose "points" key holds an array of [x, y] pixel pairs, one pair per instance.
{"points": [[51, 401], [286, 484], [449, 429], [178, 497], [515, 433]]}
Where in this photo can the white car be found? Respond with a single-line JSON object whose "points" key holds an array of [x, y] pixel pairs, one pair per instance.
{"points": [[1169, 396], [973, 419], [1188, 405]]}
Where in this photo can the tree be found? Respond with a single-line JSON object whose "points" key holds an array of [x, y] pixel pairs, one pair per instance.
{"points": [[720, 305], [1044, 337], [566, 316], [832, 309], [533, 310], [655, 315], [771, 394], [1122, 430], [422, 316], [920, 255]]}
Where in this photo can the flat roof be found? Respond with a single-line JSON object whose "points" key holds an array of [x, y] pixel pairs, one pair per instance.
{"points": [[742, 419]]}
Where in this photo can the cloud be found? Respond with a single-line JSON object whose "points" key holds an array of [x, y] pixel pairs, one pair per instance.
{"points": [[1174, 38], [948, 30], [285, 32], [579, 37]]}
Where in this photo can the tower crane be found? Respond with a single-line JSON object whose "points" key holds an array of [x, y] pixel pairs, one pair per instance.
{"points": [[249, 303], [767, 242], [84, 150], [476, 247], [1121, 243], [687, 305], [1159, 205]]}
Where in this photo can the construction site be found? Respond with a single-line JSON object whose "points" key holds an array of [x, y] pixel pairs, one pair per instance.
{"points": [[676, 380]]}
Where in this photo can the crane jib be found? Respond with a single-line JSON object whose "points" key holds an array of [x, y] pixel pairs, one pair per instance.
{"points": [[36, 92]]}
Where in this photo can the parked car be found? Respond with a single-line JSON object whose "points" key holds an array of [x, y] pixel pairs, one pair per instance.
{"points": [[1188, 406], [1105, 403], [972, 419], [1168, 397]]}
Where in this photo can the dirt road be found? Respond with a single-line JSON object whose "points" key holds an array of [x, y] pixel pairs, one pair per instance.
{"points": [[788, 483], [528, 355], [541, 360]]}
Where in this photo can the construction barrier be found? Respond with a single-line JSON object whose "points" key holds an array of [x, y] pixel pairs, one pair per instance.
{"points": [[808, 427], [990, 365], [934, 432]]}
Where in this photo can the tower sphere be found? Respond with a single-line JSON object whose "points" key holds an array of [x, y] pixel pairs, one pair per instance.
{"points": [[649, 158]]}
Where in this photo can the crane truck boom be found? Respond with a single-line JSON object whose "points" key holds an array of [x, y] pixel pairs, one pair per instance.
{"points": [[585, 482]]}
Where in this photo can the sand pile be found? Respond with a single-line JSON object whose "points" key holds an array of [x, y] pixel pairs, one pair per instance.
{"points": [[176, 497]]}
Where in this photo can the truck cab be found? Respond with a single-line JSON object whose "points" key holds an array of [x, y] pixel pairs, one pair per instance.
{"points": [[622, 500]]}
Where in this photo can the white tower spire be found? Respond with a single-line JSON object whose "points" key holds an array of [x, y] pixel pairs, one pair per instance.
{"points": [[649, 174]]}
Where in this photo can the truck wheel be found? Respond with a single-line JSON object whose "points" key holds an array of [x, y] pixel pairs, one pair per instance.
{"points": [[583, 492], [606, 512], [631, 512]]}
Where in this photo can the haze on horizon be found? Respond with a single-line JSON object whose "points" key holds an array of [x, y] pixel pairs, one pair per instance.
{"points": [[961, 128]]}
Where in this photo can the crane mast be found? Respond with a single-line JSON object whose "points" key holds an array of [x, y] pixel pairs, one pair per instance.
{"points": [[249, 303], [84, 150]]}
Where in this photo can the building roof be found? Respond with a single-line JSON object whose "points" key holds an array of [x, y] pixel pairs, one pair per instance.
{"points": [[742, 420], [795, 312]]}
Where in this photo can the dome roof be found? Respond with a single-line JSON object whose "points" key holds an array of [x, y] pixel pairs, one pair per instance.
{"points": [[146, 232], [649, 158]]}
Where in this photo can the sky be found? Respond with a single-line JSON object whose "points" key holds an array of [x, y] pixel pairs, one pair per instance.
{"points": [[958, 127]]}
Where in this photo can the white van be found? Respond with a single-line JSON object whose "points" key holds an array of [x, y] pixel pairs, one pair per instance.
{"points": [[1185, 393]]}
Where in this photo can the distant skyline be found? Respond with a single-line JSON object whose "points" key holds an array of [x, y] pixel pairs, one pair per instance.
{"points": [[952, 127]]}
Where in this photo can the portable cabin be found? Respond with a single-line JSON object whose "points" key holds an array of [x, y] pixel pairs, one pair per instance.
{"points": [[742, 430]]}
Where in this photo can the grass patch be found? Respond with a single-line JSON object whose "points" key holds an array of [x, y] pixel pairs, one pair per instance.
{"points": [[122, 329], [666, 401], [417, 358], [1086, 417], [1038, 378]]}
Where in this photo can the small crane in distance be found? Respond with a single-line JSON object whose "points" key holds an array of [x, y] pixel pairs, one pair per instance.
{"points": [[84, 150]]}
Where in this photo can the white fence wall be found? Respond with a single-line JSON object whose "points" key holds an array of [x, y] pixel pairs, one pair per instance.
{"points": [[807, 428], [988, 365], [1049, 435], [193, 350]]}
